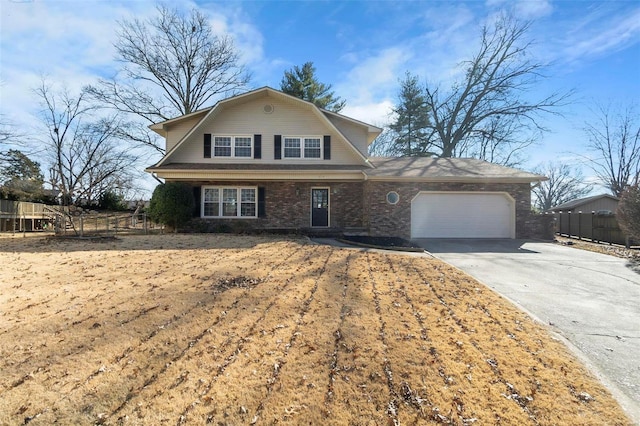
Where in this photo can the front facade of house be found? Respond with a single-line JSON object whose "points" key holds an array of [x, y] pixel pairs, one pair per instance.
{"points": [[267, 160]]}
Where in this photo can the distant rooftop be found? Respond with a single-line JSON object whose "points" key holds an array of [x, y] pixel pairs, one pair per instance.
{"points": [[570, 205]]}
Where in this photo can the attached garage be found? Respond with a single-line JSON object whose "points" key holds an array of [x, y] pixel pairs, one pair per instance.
{"points": [[463, 215]]}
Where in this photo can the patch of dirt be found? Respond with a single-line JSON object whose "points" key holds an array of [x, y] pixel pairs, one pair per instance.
{"points": [[222, 329], [604, 248]]}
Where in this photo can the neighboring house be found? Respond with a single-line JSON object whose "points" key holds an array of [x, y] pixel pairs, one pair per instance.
{"points": [[273, 161], [603, 203]]}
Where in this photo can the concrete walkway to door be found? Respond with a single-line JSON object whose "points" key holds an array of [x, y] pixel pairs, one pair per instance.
{"points": [[591, 299]]}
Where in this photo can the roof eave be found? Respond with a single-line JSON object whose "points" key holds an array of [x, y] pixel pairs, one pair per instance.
{"points": [[258, 175], [454, 179]]}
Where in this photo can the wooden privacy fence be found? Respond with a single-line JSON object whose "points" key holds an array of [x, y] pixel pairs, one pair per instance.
{"points": [[592, 226]]}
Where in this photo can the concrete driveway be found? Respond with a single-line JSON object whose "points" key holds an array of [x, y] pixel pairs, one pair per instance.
{"points": [[591, 299]]}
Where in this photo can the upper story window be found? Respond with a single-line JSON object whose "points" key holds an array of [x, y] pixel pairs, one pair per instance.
{"points": [[232, 146], [302, 147]]}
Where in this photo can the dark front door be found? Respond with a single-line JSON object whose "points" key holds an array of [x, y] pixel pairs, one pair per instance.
{"points": [[320, 207]]}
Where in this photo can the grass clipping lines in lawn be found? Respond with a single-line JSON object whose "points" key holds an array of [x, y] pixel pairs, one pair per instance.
{"points": [[196, 329]]}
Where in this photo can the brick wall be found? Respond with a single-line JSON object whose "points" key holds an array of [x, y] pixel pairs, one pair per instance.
{"points": [[364, 205], [384, 219], [288, 205]]}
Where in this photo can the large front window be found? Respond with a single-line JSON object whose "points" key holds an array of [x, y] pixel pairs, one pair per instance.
{"points": [[229, 202], [232, 146], [302, 147]]}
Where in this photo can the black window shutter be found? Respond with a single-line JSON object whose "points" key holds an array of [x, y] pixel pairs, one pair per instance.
{"points": [[197, 192], [277, 147], [261, 202], [327, 147], [257, 146], [207, 145]]}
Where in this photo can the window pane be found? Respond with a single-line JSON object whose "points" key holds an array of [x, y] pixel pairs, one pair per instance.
{"points": [[211, 202], [229, 202], [249, 195], [292, 148], [222, 146], [292, 142], [243, 147], [211, 195], [211, 209], [248, 204], [312, 148]]}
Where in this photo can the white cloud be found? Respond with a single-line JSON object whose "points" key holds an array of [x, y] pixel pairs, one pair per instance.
{"points": [[376, 113], [371, 84], [528, 9], [232, 21], [594, 38], [70, 43], [523, 9]]}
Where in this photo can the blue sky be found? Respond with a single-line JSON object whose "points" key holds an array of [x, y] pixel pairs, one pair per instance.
{"points": [[362, 48]]}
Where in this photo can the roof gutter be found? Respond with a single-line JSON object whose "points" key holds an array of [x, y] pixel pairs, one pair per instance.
{"points": [[153, 175]]}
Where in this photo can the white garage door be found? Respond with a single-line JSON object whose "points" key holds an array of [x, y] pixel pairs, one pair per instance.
{"points": [[462, 215]]}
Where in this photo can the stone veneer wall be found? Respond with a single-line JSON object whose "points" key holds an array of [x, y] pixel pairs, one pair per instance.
{"points": [[384, 219], [288, 204]]}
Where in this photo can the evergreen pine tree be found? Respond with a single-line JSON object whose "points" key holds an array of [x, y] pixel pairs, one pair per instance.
{"points": [[411, 120], [302, 83]]}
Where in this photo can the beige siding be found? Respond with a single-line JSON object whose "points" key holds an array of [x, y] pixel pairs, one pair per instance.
{"points": [[355, 133], [597, 205], [249, 118], [177, 131]]}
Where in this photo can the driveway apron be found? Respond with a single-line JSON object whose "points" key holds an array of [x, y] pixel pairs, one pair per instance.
{"points": [[591, 299]]}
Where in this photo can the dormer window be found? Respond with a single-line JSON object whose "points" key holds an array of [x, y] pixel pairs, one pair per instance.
{"points": [[302, 147]]}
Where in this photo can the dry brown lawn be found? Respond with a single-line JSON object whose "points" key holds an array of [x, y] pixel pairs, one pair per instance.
{"points": [[229, 330]]}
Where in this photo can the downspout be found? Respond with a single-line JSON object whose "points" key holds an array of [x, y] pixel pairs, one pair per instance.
{"points": [[153, 174]]}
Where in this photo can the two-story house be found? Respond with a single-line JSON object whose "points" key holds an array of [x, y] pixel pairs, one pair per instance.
{"points": [[274, 161]]}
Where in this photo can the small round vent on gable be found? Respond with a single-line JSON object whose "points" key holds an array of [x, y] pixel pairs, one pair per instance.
{"points": [[268, 109]]}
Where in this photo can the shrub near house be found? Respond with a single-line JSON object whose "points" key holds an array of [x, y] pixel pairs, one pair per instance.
{"points": [[171, 204]]}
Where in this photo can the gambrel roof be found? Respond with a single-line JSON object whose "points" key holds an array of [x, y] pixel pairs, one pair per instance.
{"points": [[208, 114]]}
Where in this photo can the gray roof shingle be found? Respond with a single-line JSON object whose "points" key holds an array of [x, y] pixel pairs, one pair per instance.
{"points": [[426, 168], [569, 205], [389, 168]]}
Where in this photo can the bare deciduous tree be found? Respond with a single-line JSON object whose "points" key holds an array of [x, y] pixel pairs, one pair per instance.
{"points": [[628, 212], [9, 136], [385, 144], [614, 138], [565, 184], [491, 113], [172, 65], [84, 152]]}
